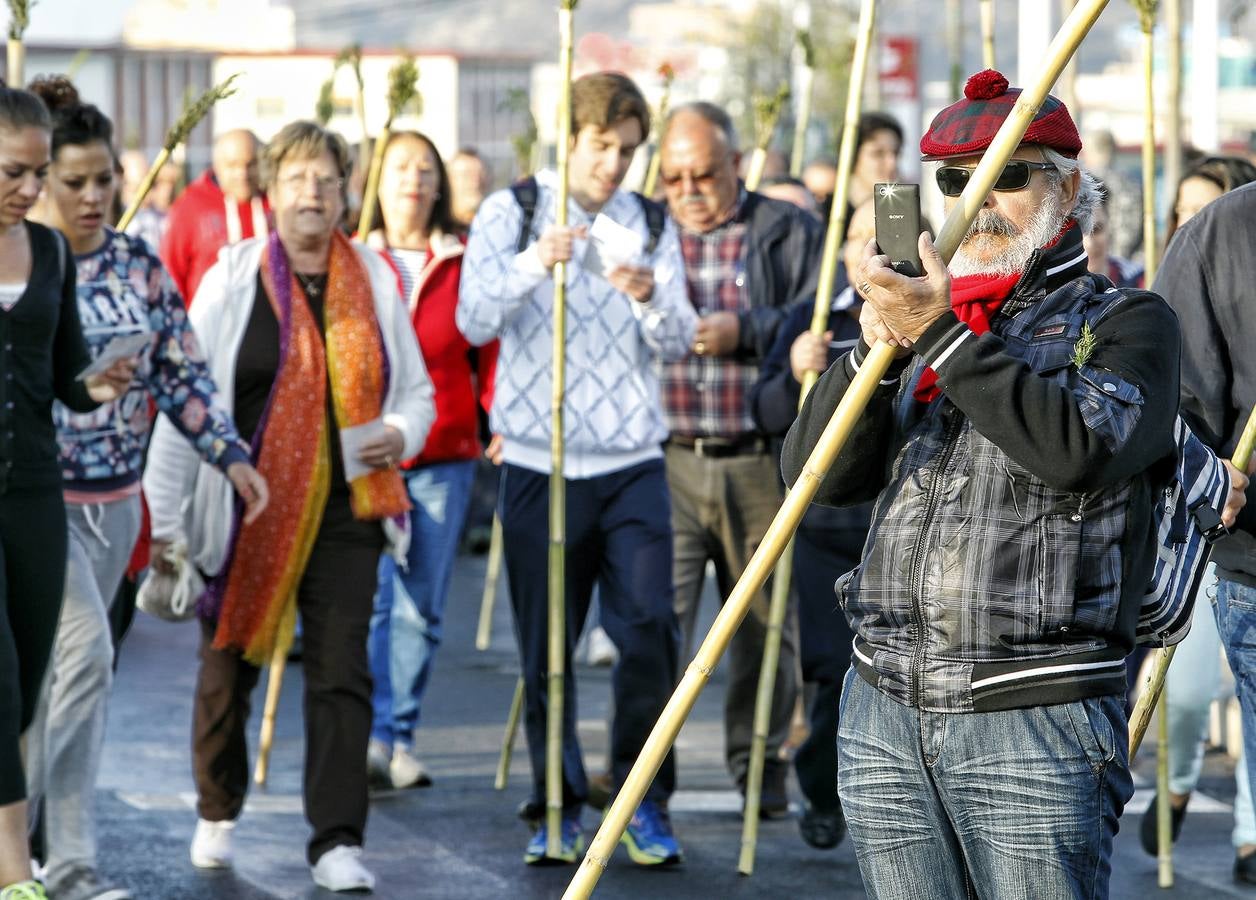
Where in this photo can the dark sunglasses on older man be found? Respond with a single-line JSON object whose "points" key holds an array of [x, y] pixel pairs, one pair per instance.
{"points": [[1015, 176]]}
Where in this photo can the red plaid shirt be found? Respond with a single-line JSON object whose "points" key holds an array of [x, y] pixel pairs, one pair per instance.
{"points": [[706, 396]]}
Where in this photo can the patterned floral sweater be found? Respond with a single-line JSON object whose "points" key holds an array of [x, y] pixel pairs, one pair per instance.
{"points": [[123, 289]]}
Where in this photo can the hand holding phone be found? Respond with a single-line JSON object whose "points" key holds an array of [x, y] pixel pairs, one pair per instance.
{"points": [[896, 210]]}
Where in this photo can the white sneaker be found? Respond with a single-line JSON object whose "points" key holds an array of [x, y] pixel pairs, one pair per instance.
{"points": [[211, 844], [340, 869], [601, 649], [405, 770]]}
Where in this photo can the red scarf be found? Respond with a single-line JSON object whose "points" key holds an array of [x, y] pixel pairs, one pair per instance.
{"points": [[975, 299]]}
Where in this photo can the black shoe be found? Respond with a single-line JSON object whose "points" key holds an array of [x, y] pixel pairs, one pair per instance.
{"points": [[1147, 832], [822, 829], [773, 797], [601, 787], [1245, 868], [532, 814]]}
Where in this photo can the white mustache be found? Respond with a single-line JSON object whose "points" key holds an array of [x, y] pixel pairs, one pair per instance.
{"points": [[989, 221]]}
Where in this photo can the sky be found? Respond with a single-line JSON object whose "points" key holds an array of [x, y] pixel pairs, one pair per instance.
{"points": [[74, 21]]}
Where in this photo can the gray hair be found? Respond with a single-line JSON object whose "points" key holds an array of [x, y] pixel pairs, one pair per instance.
{"points": [[1089, 192], [710, 113]]}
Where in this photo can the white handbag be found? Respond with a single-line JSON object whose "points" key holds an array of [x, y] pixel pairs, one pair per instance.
{"points": [[172, 596]]}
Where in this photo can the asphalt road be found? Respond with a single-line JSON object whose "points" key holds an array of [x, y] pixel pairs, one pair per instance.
{"points": [[460, 838]]}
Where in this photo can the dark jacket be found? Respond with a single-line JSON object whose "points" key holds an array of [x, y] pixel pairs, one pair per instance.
{"points": [[41, 351], [783, 247], [1012, 539], [774, 406], [1207, 276]]}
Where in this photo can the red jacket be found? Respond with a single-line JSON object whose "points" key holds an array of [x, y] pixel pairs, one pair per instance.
{"points": [[197, 229], [459, 371]]}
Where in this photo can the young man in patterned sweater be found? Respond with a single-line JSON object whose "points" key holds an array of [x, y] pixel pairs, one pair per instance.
{"points": [[621, 320]]}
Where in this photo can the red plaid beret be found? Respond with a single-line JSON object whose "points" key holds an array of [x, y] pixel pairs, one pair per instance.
{"points": [[967, 127]]}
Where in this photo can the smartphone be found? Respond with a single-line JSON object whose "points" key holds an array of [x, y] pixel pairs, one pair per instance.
{"points": [[896, 209]]}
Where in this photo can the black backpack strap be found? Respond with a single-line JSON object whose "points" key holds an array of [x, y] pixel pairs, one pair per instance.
{"points": [[655, 220], [525, 192]]}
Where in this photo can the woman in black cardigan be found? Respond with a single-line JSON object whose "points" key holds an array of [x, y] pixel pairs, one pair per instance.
{"points": [[41, 353]]}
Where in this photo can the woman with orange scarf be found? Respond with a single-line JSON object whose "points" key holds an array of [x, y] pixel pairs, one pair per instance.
{"points": [[311, 345]]}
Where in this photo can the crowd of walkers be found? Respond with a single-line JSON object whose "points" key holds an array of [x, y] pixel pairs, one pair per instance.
{"points": [[292, 430]]}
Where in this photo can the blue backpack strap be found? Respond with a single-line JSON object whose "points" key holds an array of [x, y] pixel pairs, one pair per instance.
{"points": [[655, 221], [525, 192]]}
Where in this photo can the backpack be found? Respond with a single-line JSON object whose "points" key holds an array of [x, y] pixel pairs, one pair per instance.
{"points": [[1193, 487], [525, 191], [1187, 525]]}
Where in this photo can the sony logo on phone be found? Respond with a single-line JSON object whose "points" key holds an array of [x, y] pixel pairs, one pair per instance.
{"points": [[899, 216]]}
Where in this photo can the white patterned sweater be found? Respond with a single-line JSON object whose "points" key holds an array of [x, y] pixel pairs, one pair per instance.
{"points": [[612, 416]]}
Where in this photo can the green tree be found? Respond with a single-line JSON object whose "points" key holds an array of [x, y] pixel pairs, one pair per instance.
{"points": [[761, 54]]}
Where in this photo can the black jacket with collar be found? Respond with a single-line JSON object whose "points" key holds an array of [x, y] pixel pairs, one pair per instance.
{"points": [[1012, 538], [783, 247], [1207, 276]]}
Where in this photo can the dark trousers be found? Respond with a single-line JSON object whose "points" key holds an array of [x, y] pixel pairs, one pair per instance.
{"points": [[821, 556], [335, 598], [619, 537], [33, 540]]}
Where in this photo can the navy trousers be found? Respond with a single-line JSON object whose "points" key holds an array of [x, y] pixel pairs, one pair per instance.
{"points": [[619, 537], [822, 554]]}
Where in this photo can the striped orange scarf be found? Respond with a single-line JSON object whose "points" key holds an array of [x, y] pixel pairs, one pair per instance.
{"points": [[259, 584]]}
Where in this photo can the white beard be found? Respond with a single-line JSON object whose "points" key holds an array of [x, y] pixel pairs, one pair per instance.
{"points": [[1041, 230]]}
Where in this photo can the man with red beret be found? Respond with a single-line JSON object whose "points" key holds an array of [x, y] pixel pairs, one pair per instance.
{"points": [[982, 745]]}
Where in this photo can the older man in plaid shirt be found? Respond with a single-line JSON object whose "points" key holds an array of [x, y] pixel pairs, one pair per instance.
{"points": [[746, 257]]}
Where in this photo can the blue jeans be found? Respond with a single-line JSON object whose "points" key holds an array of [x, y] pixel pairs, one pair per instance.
{"points": [[410, 606], [1019, 803], [1235, 606]]}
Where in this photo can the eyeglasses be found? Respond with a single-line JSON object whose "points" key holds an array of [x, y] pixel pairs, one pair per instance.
{"points": [[1015, 176], [324, 183]]}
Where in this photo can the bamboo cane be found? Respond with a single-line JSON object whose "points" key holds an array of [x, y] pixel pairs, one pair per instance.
{"points": [[987, 33], [651, 181], [508, 742], [403, 80], [19, 21], [806, 81], [1173, 63], [351, 56], [1147, 14], [821, 459], [492, 575], [558, 484], [1164, 817], [274, 684], [1140, 717], [955, 45], [819, 321], [191, 116], [767, 114]]}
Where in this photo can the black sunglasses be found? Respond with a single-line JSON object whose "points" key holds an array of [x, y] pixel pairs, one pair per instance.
{"points": [[1015, 176]]}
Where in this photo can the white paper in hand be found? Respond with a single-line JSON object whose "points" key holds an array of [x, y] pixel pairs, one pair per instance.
{"points": [[611, 245], [122, 347], [351, 441]]}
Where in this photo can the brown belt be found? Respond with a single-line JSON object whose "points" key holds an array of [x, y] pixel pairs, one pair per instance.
{"points": [[719, 447]]}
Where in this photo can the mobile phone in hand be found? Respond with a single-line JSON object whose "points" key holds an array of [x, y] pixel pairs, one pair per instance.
{"points": [[896, 209]]}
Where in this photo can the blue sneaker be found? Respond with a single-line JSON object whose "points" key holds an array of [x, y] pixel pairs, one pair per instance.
{"points": [[649, 837], [572, 844]]}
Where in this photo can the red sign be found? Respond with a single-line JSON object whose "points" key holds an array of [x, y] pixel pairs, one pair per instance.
{"points": [[899, 68]]}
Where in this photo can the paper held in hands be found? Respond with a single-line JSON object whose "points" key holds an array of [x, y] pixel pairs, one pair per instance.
{"points": [[122, 347], [611, 245], [352, 440]]}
